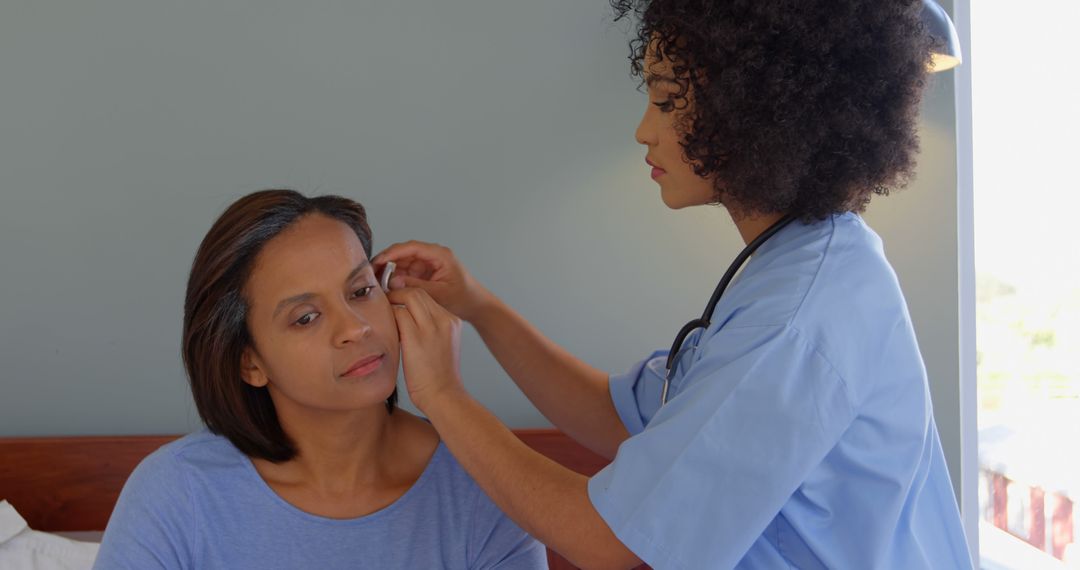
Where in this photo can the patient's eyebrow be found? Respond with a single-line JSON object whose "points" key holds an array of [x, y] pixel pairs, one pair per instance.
{"points": [[356, 270], [307, 296]]}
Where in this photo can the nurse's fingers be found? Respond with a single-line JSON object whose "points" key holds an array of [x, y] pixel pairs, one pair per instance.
{"points": [[434, 288], [414, 301], [421, 269], [410, 251], [419, 259], [415, 268], [430, 350], [406, 324], [430, 316]]}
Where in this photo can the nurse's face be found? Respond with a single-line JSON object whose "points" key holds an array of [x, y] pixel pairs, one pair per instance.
{"points": [[679, 185], [324, 335]]}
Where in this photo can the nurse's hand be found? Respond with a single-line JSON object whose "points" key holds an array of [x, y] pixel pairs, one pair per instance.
{"points": [[430, 347], [436, 270]]}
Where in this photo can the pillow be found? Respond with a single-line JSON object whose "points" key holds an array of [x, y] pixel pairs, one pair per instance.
{"points": [[24, 549]]}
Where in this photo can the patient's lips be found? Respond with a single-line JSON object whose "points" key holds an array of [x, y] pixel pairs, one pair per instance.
{"points": [[364, 366]]}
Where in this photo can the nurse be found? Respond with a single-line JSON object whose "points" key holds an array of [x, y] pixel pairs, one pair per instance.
{"points": [[790, 426]]}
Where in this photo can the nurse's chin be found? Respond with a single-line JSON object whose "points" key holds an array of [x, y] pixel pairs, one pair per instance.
{"points": [[674, 201]]}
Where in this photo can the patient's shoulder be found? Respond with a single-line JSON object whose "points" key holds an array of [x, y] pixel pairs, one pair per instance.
{"points": [[415, 441], [202, 445], [200, 451]]}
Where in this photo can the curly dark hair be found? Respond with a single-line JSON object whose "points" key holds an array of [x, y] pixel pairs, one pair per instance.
{"points": [[806, 107]]}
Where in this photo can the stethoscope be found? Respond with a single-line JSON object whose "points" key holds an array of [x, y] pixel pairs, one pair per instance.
{"points": [[706, 317]]}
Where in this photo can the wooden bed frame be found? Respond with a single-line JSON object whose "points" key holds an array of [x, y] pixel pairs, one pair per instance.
{"points": [[64, 484]]}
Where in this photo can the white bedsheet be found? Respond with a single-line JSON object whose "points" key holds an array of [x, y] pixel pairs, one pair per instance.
{"points": [[22, 548]]}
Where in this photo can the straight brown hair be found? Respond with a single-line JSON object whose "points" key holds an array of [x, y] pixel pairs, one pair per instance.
{"points": [[215, 331]]}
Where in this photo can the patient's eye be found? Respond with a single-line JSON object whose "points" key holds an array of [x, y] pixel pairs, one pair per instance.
{"points": [[362, 292], [306, 319]]}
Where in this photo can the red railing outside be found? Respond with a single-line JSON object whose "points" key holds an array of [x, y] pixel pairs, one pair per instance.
{"points": [[1042, 519]]}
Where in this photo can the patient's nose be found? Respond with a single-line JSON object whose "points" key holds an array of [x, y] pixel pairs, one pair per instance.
{"points": [[351, 326]]}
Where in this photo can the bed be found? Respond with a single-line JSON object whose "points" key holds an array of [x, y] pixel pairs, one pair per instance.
{"points": [[68, 485]]}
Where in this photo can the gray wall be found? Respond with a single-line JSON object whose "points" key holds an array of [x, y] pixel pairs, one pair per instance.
{"points": [[502, 129]]}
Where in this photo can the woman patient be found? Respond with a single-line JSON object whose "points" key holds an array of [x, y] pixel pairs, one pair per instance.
{"points": [[292, 352]]}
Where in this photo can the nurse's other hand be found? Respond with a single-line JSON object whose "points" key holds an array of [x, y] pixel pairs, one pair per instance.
{"points": [[435, 269], [430, 347]]}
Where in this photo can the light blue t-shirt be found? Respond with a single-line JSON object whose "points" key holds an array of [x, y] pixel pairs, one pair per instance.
{"points": [[198, 503], [799, 432]]}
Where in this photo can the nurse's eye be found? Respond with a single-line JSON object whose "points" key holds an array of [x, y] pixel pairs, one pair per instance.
{"points": [[362, 292], [306, 319], [665, 106]]}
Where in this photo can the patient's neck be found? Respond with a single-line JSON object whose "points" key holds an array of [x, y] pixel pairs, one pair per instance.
{"points": [[351, 463], [339, 452]]}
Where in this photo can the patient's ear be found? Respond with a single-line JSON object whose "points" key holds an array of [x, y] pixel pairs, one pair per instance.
{"points": [[251, 369]]}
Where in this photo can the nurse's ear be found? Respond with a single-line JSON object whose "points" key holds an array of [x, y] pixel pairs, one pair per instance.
{"points": [[251, 369]]}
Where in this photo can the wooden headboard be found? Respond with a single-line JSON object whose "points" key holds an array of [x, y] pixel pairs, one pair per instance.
{"points": [[71, 483]]}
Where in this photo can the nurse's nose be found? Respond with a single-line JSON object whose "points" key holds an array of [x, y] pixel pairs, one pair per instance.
{"points": [[351, 326], [646, 133]]}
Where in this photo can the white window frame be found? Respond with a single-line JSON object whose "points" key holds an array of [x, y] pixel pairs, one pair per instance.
{"points": [[965, 213]]}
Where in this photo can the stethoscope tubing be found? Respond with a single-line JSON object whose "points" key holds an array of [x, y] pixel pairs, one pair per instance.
{"points": [[706, 317]]}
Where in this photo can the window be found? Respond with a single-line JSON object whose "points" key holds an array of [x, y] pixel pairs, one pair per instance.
{"points": [[1026, 147]]}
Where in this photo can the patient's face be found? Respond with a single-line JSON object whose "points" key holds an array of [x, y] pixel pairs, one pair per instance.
{"points": [[324, 332]]}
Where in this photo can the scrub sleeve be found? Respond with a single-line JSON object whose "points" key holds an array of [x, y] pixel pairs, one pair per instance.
{"points": [[701, 478]]}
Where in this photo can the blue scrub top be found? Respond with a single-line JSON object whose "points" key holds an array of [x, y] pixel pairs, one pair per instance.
{"points": [[799, 432]]}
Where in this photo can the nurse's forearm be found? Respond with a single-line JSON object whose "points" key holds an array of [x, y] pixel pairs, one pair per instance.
{"points": [[571, 394], [547, 500]]}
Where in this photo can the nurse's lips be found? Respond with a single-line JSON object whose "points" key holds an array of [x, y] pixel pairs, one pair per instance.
{"points": [[656, 170], [364, 366]]}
